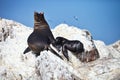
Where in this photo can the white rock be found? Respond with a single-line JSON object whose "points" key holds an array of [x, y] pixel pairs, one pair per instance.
{"points": [[14, 65]]}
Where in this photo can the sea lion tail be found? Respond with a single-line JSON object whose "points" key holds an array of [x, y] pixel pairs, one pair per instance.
{"points": [[27, 50]]}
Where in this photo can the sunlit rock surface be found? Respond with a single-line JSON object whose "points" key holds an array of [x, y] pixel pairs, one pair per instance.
{"points": [[14, 65]]}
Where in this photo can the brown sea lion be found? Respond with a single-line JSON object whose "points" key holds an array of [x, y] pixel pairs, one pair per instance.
{"points": [[74, 46], [41, 38]]}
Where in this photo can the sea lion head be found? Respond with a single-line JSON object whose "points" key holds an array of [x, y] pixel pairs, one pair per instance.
{"points": [[59, 42], [38, 16], [39, 20]]}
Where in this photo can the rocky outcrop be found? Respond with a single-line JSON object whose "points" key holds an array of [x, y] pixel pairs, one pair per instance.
{"points": [[6, 29], [115, 48], [14, 65]]}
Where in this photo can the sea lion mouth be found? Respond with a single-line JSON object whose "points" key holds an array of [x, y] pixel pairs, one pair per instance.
{"points": [[37, 22]]}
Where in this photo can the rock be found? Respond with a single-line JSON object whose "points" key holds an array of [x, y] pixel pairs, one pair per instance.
{"points": [[14, 65], [115, 49], [6, 29]]}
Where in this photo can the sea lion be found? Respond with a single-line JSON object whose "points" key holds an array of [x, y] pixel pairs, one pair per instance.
{"points": [[74, 46], [41, 37]]}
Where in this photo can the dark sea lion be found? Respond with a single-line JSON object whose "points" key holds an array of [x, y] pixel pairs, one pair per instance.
{"points": [[77, 48], [41, 38], [74, 46]]}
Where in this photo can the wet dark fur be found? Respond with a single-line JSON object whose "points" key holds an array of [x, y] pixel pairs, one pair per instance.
{"points": [[74, 46], [41, 38]]}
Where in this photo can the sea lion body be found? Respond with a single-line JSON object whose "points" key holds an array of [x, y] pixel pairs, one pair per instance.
{"points": [[41, 38], [74, 46], [38, 42], [77, 48]]}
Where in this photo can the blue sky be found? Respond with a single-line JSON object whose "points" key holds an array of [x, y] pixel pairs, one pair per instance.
{"points": [[100, 17]]}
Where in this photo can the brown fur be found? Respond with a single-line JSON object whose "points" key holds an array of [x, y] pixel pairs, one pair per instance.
{"points": [[41, 38]]}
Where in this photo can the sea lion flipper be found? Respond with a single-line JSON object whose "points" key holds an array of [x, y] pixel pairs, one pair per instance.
{"points": [[65, 53], [54, 52], [27, 50], [37, 54]]}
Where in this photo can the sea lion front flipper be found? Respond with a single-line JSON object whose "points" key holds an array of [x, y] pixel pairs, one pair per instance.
{"points": [[27, 50], [65, 53], [37, 54], [54, 52]]}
